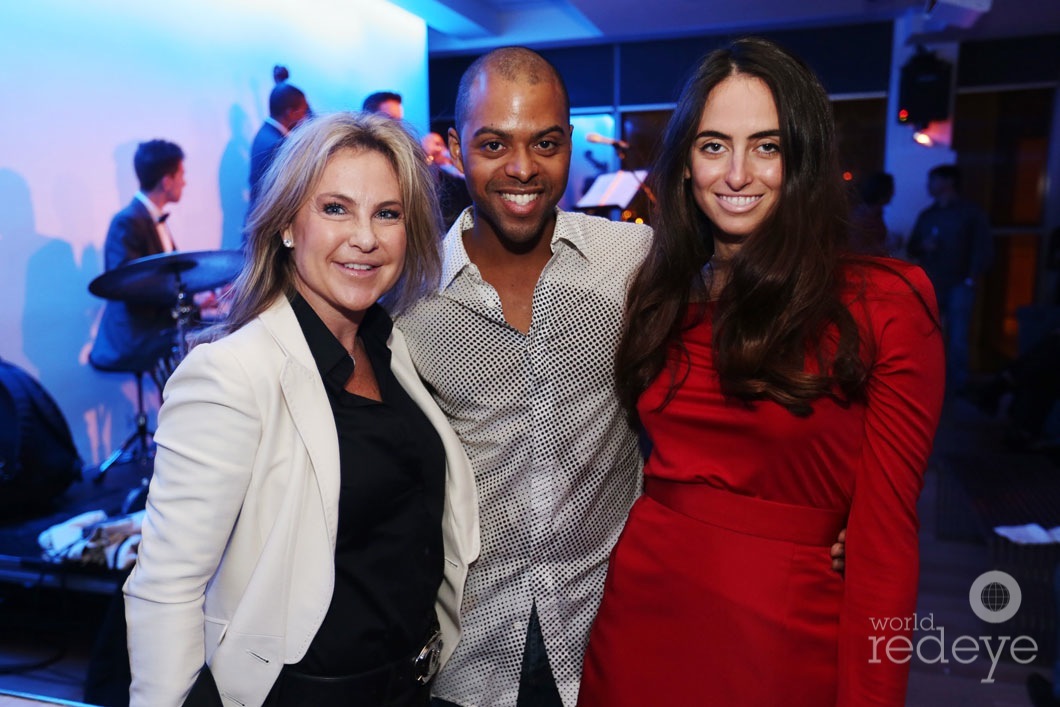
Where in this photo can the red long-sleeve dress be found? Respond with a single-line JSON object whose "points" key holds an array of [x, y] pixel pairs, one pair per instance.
{"points": [[720, 590]]}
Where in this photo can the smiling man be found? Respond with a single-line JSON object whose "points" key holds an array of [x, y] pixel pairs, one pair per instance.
{"points": [[518, 347]]}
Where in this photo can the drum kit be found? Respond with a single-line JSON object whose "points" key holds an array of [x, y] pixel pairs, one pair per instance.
{"points": [[170, 279], [165, 280]]}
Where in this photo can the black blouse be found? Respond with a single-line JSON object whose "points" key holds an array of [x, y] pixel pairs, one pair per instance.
{"points": [[388, 555]]}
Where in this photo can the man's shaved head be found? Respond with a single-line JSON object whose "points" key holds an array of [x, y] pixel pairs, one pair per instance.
{"points": [[511, 64]]}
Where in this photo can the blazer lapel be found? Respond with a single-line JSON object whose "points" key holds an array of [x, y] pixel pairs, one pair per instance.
{"points": [[307, 402]]}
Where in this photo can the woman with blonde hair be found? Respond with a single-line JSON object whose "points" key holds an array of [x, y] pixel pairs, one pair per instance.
{"points": [[311, 516]]}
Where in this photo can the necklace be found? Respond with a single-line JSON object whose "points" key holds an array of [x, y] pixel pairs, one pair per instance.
{"points": [[357, 344]]}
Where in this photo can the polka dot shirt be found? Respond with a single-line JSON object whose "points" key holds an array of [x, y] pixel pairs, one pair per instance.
{"points": [[555, 461]]}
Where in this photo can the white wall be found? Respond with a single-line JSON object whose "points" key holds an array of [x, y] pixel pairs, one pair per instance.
{"points": [[84, 82]]}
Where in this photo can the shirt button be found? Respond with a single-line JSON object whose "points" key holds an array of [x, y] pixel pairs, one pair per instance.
{"points": [[519, 626]]}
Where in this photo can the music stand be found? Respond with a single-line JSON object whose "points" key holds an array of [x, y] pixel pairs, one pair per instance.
{"points": [[613, 190]]}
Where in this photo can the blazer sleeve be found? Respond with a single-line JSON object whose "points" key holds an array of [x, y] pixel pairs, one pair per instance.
{"points": [[904, 402], [209, 428]]}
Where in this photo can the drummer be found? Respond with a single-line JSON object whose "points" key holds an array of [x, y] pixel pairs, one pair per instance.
{"points": [[135, 337]]}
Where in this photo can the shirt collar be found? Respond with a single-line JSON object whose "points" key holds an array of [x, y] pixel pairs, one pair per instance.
{"points": [[455, 256], [565, 231], [332, 359], [155, 212], [278, 125]]}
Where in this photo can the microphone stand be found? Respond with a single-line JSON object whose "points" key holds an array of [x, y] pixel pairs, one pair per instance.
{"points": [[621, 152]]}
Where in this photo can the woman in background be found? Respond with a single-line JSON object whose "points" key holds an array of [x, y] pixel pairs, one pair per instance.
{"points": [[311, 515], [789, 390]]}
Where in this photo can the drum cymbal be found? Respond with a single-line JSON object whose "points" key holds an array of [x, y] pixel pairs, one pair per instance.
{"points": [[157, 279]]}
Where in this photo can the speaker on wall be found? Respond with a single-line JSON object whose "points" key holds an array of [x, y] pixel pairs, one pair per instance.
{"points": [[924, 89]]}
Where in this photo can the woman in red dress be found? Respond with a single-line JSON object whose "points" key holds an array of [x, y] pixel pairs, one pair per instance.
{"points": [[789, 390]]}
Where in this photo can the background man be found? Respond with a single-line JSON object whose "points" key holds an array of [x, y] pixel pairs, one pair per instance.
{"points": [[287, 108], [452, 190], [951, 240], [518, 347], [385, 103], [134, 337]]}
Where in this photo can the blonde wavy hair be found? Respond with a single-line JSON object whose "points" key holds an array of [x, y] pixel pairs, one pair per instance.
{"points": [[268, 271]]}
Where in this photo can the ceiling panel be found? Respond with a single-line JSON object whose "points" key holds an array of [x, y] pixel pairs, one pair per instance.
{"points": [[539, 22]]}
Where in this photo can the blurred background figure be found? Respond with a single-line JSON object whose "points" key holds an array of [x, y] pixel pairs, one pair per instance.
{"points": [[133, 337], [951, 240], [437, 153], [453, 196], [868, 231], [385, 103], [287, 108]]}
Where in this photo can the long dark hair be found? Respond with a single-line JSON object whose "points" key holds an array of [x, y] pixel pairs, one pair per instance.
{"points": [[782, 294]]}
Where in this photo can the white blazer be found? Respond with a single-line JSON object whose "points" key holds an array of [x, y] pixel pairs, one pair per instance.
{"points": [[237, 563]]}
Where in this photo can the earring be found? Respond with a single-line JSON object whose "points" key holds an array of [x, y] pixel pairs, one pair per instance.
{"points": [[288, 243]]}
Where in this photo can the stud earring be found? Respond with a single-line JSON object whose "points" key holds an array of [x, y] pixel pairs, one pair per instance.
{"points": [[288, 243]]}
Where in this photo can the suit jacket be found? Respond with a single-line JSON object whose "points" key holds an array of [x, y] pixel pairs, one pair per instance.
{"points": [[239, 536], [263, 150], [132, 336]]}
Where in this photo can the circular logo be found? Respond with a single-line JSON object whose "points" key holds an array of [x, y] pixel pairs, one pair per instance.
{"points": [[995, 596]]}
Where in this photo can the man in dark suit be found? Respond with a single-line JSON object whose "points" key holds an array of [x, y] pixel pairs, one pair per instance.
{"points": [[952, 241], [287, 108], [133, 337]]}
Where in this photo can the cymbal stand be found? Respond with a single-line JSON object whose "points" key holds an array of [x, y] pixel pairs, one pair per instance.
{"points": [[136, 443], [182, 312]]}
